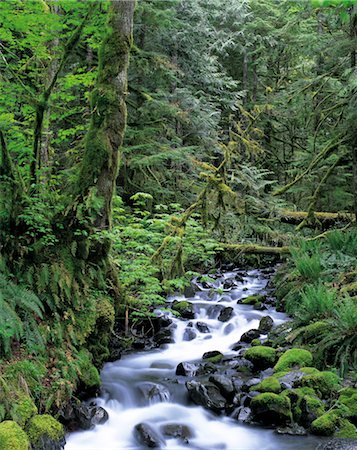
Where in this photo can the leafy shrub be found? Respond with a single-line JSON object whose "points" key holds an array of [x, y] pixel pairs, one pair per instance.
{"points": [[317, 302], [18, 311], [308, 266]]}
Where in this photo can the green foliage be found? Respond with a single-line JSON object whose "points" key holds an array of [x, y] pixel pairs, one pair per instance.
{"points": [[317, 302], [42, 426], [19, 309]]}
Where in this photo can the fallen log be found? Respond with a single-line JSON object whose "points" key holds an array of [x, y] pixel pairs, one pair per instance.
{"points": [[255, 249], [325, 218]]}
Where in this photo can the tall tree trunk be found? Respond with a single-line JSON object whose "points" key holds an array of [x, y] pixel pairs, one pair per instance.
{"points": [[105, 136], [353, 36]]}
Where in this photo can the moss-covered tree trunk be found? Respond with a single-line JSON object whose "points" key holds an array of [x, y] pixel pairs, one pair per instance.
{"points": [[105, 136]]}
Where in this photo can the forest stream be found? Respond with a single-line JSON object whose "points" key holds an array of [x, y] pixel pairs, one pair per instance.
{"points": [[144, 388]]}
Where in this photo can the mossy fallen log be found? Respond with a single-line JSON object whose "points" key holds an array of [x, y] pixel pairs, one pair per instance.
{"points": [[325, 218], [255, 249]]}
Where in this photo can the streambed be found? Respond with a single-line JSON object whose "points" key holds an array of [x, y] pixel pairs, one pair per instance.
{"points": [[143, 387]]}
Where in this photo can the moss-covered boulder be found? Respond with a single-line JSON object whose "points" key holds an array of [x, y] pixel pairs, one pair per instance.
{"points": [[270, 384], [326, 425], [261, 357], [271, 409], [324, 384], [293, 358], [88, 373], [12, 436], [213, 357], [45, 433], [23, 409], [346, 430], [348, 399], [253, 299], [184, 308]]}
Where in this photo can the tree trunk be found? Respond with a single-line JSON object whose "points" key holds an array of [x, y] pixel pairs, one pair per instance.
{"points": [[353, 36], [105, 136]]}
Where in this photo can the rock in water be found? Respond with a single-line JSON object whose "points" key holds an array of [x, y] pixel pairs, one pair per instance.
{"points": [[224, 384], [186, 369], [225, 314], [250, 335], [266, 324], [202, 327], [189, 334], [154, 392], [338, 444], [206, 395], [147, 436], [177, 431], [89, 416]]}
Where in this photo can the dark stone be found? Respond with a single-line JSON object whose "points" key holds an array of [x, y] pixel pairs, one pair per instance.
{"points": [[202, 327], [238, 346], [206, 395], [47, 443], [225, 314], [242, 365], [185, 308], [177, 431], [249, 397], [154, 392], [138, 344], [164, 321], [213, 354], [186, 369], [249, 383], [147, 436], [189, 334], [224, 385], [207, 369], [244, 415], [88, 417], [229, 284], [163, 337], [214, 311], [292, 430], [250, 335], [259, 306], [338, 444], [266, 324], [291, 379], [189, 291]]}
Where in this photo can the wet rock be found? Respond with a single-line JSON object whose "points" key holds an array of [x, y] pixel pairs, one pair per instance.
{"points": [[147, 436], [238, 346], [338, 444], [248, 336], [228, 329], [291, 379], [177, 431], [292, 430], [185, 309], [244, 415], [189, 334], [224, 384], [164, 321], [229, 284], [237, 383], [249, 397], [202, 327], [206, 369], [225, 314], [242, 365], [88, 416], [259, 306], [249, 383], [213, 356], [138, 344], [189, 291], [187, 369], [206, 395], [163, 337], [154, 392], [262, 357], [271, 409]]}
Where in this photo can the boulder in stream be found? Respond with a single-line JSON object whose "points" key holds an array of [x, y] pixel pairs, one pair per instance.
{"points": [[225, 314], [88, 416], [250, 335], [189, 334], [147, 436], [184, 308], [177, 431], [154, 392], [271, 409], [187, 369], [266, 324], [224, 384], [206, 395], [202, 327]]}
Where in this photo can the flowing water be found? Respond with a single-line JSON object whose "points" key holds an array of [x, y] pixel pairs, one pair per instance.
{"points": [[125, 382]]}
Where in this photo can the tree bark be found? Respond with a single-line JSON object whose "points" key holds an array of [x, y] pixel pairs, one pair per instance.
{"points": [[100, 163]]}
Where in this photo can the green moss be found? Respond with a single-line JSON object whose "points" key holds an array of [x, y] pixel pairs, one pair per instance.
{"points": [[295, 357], [262, 357], [309, 370], [12, 437], [213, 359], [270, 384], [253, 299], [31, 371], [88, 374], [180, 306], [271, 408], [105, 313], [22, 410], [312, 332], [324, 383], [326, 424], [346, 430], [255, 342], [348, 398], [44, 426]]}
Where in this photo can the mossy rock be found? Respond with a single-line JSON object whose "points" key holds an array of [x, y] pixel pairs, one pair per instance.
{"points": [[311, 408], [346, 430], [262, 357], [348, 398], [184, 308], [326, 425], [255, 342], [44, 431], [270, 384], [324, 383], [313, 331], [89, 374], [105, 313], [270, 408], [253, 299], [293, 358], [22, 410], [213, 357], [12, 436]]}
